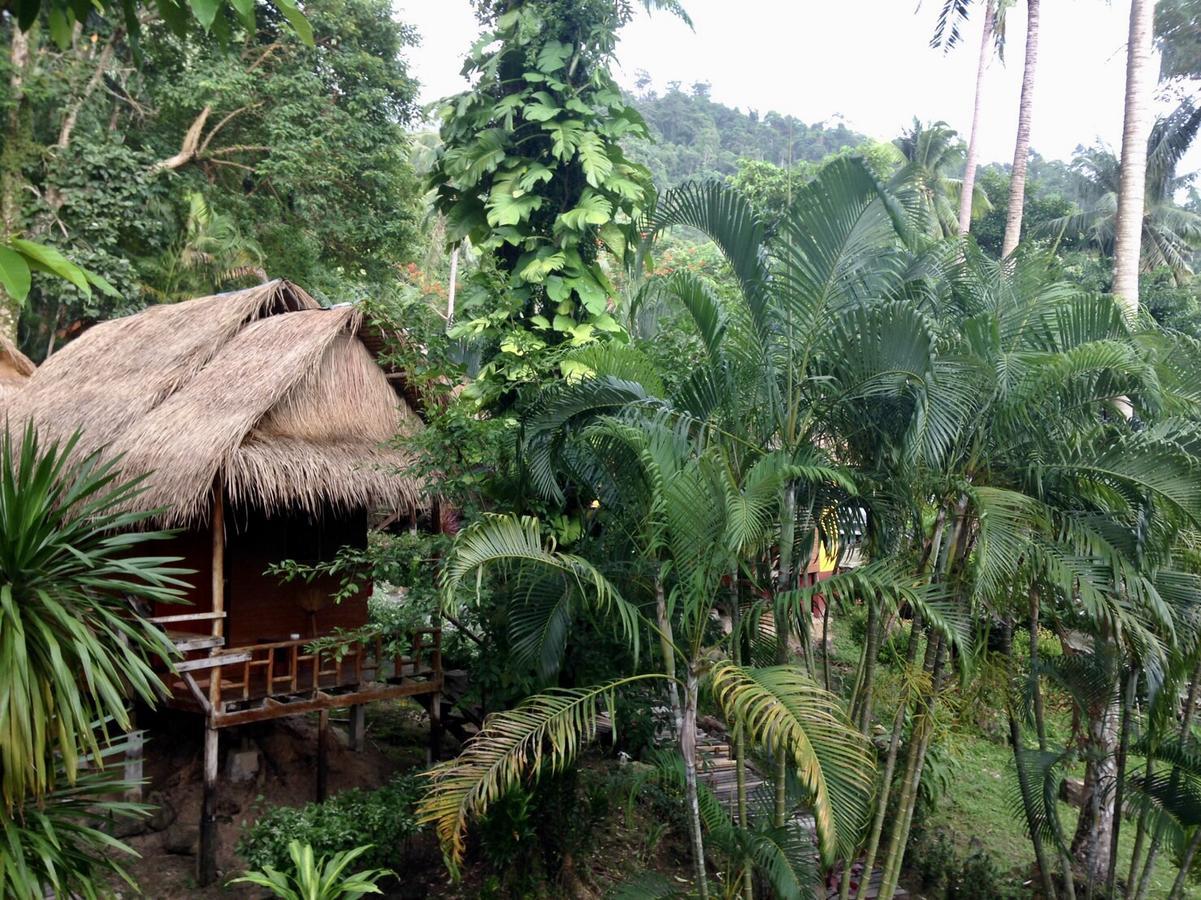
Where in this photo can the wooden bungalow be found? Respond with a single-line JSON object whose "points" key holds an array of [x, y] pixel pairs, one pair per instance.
{"points": [[263, 422]]}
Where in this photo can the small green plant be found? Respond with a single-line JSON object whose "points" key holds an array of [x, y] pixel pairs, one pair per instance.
{"points": [[318, 878], [382, 818]]}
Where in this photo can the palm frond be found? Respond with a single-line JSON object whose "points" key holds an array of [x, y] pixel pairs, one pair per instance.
{"points": [[510, 540], [546, 730], [783, 709]]}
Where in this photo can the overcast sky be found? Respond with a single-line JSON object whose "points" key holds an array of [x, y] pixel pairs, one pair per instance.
{"points": [[867, 61]]}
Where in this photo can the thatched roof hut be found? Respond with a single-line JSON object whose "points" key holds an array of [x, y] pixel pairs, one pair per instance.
{"points": [[260, 388]]}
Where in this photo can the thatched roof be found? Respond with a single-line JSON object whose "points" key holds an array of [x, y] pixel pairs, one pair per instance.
{"points": [[261, 387], [15, 369]]}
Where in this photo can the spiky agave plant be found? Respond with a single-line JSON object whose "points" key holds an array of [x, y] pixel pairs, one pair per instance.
{"points": [[72, 655]]}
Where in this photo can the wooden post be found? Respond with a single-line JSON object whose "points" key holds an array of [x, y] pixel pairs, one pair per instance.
{"points": [[206, 861], [358, 725], [134, 771], [322, 754], [435, 748]]}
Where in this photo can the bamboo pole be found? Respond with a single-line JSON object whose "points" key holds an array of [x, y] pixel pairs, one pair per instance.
{"points": [[206, 860]]}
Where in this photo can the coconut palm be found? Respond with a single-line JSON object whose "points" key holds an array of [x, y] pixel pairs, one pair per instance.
{"points": [[1021, 149], [1140, 78], [1171, 234], [992, 38], [925, 180]]}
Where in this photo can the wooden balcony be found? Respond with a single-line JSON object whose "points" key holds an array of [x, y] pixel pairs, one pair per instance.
{"points": [[236, 685]]}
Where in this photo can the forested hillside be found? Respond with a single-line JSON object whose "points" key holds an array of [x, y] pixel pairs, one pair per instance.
{"points": [[694, 136]]}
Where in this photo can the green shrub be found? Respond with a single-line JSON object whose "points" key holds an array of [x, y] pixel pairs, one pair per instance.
{"points": [[313, 877], [384, 818]]}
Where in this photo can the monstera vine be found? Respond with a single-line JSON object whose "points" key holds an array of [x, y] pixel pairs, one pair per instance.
{"points": [[532, 172]]}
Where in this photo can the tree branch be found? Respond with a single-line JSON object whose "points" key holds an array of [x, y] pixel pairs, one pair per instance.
{"points": [[187, 150]]}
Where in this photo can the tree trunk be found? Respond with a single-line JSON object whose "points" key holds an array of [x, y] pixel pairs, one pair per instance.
{"points": [[1021, 149], [784, 582], [1095, 826], [688, 750], [969, 169], [667, 646], [1136, 128], [1186, 863], [451, 285], [1186, 726], [890, 766], [919, 743], [1119, 788], [10, 166], [1015, 740]]}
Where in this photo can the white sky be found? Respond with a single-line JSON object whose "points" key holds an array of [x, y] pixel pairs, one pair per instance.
{"points": [[865, 60]]}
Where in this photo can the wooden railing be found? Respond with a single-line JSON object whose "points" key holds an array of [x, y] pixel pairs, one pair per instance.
{"points": [[285, 668]]}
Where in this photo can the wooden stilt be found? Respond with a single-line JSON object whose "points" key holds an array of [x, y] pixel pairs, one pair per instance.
{"points": [[134, 770], [358, 725], [435, 748], [206, 861], [322, 754]]}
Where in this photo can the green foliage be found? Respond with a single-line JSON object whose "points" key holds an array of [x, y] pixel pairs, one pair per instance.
{"points": [[63, 841], [316, 878], [71, 654], [1176, 37], [383, 818], [949, 875], [265, 157], [217, 16], [532, 172]]}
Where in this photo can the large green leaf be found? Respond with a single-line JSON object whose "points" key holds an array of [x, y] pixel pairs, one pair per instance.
{"points": [[14, 274]]}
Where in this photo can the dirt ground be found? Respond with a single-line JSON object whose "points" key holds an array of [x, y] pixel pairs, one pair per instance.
{"points": [[286, 775], [629, 842]]}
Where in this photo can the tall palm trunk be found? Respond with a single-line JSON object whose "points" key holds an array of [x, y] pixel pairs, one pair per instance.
{"points": [[1094, 828], [1186, 729], [1021, 149], [684, 716], [1128, 227], [969, 169], [919, 744], [780, 618], [1024, 788], [688, 750], [1120, 777], [890, 764]]}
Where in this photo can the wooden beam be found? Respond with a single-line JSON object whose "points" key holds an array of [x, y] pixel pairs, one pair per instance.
{"points": [[330, 701], [206, 860], [198, 694], [215, 661], [186, 617], [196, 642]]}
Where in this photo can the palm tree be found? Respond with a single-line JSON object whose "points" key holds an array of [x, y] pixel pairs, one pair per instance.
{"points": [[1128, 228], [1021, 150], [946, 34], [925, 180], [1170, 233], [779, 707]]}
